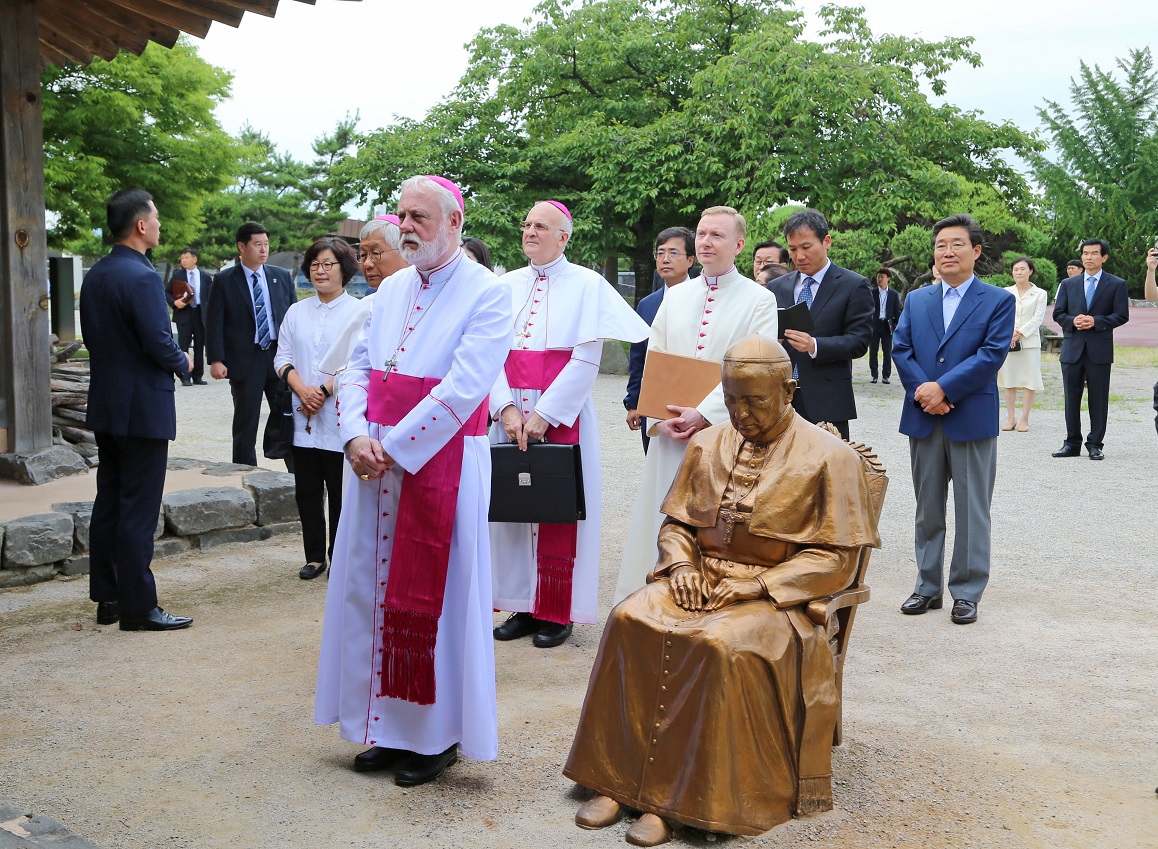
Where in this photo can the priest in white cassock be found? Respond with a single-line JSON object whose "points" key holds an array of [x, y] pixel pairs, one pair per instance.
{"points": [[548, 574], [700, 318], [407, 661]]}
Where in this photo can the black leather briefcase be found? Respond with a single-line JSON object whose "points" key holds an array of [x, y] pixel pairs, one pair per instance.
{"points": [[543, 484]]}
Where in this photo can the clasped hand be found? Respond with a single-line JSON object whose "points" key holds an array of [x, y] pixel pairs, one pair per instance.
{"points": [[523, 432], [690, 590], [687, 421], [931, 397], [1084, 322], [367, 457], [312, 399]]}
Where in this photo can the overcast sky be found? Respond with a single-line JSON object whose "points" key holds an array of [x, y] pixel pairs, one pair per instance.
{"points": [[297, 74]]}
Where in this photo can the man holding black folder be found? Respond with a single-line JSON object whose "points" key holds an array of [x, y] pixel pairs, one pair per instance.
{"points": [[840, 304]]}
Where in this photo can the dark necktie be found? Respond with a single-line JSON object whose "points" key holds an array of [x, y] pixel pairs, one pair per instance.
{"points": [[263, 337], [805, 297]]}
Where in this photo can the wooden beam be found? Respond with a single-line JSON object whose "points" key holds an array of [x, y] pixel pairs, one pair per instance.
{"points": [[80, 46], [49, 55], [68, 21], [24, 361], [115, 21], [174, 16]]}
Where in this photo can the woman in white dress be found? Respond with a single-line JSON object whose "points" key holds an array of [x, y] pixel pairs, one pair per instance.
{"points": [[308, 330], [1022, 369]]}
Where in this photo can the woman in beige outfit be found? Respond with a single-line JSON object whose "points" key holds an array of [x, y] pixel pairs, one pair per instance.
{"points": [[1022, 369]]}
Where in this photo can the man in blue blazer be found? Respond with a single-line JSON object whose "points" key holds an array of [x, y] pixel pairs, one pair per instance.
{"points": [[1088, 307], [675, 254], [242, 320], [949, 344], [131, 410]]}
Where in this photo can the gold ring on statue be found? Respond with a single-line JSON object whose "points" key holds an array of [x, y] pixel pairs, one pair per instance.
{"points": [[364, 477]]}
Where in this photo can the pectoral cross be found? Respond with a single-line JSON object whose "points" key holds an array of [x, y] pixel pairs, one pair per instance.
{"points": [[730, 518], [388, 366]]}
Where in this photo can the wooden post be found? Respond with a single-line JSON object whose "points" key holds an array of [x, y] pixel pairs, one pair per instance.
{"points": [[24, 360]]}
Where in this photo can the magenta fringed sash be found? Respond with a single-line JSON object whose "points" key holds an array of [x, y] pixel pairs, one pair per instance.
{"points": [[421, 554], [555, 561]]}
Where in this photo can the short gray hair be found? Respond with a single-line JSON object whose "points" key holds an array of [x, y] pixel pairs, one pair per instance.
{"points": [[389, 231], [447, 202]]}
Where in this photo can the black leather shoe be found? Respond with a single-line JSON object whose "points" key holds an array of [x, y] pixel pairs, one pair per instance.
{"points": [[916, 604], [1096, 454], [874, 380], [200, 382], [108, 612], [155, 620], [378, 757], [419, 769], [186, 382], [1066, 451], [311, 571], [885, 381], [552, 634], [964, 612], [517, 625]]}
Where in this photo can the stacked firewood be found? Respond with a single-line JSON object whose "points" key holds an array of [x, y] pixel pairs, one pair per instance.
{"points": [[70, 401]]}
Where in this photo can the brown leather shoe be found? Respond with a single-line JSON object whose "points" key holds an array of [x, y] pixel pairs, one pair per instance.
{"points": [[649, 830], [598, 812]]}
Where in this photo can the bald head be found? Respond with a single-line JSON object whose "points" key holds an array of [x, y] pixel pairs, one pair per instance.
{"points": [[757, 348], [758, 386], [546, 231]]}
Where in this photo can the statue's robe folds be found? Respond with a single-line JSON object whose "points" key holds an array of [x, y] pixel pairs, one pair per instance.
{"points": [[723, 720]]}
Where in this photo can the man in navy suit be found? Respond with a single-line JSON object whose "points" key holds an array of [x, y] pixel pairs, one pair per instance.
{"points": [[132, 360], [841, 304], [241, 326], [951, 340], [188, 291], [1088, 307], [887, 312], [675, 254]]}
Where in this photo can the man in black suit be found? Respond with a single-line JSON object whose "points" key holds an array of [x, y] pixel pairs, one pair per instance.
{"points": [[241, 326], [886, 312], [841, 304], [132, 360], [188, 291], [1088, 308]]}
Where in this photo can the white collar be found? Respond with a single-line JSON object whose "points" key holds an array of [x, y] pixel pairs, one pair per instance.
{"points": [[552, 269]]}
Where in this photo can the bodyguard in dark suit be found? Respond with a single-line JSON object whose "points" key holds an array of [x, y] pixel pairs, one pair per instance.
{"points": [[132, 360], [1088, 308], [951, 340], [675, 254], [886, 314], [241, 325], [841, 305], [188, 291]]}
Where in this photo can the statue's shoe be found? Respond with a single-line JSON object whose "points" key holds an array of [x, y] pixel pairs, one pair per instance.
{"points": [[649, 830], [598, 812]]}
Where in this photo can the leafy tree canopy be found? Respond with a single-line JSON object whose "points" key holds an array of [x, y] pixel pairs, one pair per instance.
{"points": [[640, 113], [134, 121], [1102, 182]]}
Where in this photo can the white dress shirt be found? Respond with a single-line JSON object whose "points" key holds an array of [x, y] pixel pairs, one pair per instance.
{"points": [[260, 272]]}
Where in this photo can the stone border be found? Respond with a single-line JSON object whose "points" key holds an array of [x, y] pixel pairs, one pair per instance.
{"points": [[41, 546]]}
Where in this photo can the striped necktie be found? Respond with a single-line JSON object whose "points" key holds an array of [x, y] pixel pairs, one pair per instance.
{"points": [[263, 337], [806, 297]]}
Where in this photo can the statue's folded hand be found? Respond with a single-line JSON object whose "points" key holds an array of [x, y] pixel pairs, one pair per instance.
{"points": [[730, 590], [688, 588]]}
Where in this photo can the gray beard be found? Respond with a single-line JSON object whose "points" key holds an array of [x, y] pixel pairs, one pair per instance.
{"points": [[427, 254]]}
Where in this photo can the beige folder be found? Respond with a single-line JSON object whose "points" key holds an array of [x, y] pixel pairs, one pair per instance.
{"points": [[672, 379]]}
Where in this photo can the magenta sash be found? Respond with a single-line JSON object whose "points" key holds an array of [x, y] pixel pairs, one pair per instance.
{"points": [[420, 559], [555, 558]]}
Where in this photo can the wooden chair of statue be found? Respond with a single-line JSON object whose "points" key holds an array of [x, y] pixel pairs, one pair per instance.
{"points": [[836, 613]]}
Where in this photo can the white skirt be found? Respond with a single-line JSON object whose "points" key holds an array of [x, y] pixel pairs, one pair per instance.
{"points": [[1022, 370]]}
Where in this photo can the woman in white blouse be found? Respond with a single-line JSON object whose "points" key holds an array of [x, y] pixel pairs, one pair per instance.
{"points": [[307, 332], [1022, 369]]}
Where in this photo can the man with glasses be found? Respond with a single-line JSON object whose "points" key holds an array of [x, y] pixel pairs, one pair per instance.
{"points": [[951, 340], [675, 254], [1088, 307], [241, 328], [701, 318], [548, 575]]}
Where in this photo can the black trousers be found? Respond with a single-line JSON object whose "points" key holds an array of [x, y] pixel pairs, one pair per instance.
{"points": [[318, 478], [1094, 377], [247, 387], [647, 439], [800, 405], [130, 483], [882, 337], [191, 332]]}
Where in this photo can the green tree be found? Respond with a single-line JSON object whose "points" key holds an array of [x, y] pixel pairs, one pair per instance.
{"points": [[1102, 182], [145, 121], [640, 113], [294, 200]]}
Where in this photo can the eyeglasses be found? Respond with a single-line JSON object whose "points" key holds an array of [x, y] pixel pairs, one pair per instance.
{"points": [[955, 247], [324, 265], [669, 254], [374, 256], [539, 227]]}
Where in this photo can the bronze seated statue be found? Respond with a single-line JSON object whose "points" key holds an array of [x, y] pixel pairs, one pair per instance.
{"points": [[714, 699]]}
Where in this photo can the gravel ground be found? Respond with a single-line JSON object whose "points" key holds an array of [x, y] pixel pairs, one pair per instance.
{"points": [[1033, 728]]}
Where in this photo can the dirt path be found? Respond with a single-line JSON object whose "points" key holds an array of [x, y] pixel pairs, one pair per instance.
{"points": [[1033, 728]]}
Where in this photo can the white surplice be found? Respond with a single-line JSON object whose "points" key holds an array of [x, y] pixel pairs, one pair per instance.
{"points": [[571, 308], [702, 317], [461, 333]]}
